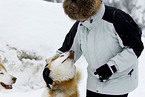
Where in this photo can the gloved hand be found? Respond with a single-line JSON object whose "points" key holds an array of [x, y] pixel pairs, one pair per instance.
{"points": [[105, 72]]}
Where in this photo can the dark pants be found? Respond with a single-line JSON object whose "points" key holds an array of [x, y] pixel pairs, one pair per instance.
{"points": [[93, 94]]}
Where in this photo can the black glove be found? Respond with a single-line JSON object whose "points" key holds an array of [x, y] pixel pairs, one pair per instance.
{"points": [[105, 72], [46, 77]]}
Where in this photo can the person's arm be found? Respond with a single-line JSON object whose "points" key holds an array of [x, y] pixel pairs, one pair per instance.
{"points": [[129, 37], [124, 59], [69, 39], [71, 43]]}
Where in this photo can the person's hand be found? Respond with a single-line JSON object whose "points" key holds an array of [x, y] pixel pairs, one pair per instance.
{"points": [[105, 71]]}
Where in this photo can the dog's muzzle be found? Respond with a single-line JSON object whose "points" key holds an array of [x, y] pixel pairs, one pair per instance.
{"points": [[71, 56]]}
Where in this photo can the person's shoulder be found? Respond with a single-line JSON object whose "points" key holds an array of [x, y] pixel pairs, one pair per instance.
{"points": [[114, 9], [109, 13], [110, 8], [113, 14]]}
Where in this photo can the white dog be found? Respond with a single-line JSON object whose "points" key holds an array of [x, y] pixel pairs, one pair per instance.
{"points": [[6, 80], [64, 75]]}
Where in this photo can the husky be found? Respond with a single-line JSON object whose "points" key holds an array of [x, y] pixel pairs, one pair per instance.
{"points": [[6, 80], [64, 75]]}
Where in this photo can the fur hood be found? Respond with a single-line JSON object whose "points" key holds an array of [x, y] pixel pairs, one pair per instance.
{"points": [[81, 9]]}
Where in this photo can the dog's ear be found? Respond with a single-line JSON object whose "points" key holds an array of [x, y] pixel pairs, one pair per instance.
{"points": [[48, 60], [46, 77], [2, 64], [0, 60]]}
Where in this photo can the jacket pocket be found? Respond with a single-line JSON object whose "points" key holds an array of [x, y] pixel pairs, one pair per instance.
{"points": [[119, 85]]}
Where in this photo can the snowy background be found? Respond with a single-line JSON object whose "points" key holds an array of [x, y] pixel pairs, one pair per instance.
{"points": [[32, 30]]}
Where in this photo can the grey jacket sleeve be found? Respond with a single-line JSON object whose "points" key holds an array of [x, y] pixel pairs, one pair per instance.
{"points": [[125, 59], [69, 39], [77, 48], [129, 36], [71, 42]]}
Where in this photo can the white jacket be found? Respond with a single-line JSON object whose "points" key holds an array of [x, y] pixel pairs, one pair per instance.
{"points": [[99, 42]]}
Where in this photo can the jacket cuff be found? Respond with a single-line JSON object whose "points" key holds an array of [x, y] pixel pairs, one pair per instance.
{"points": [[58, 52], [112, 66]]}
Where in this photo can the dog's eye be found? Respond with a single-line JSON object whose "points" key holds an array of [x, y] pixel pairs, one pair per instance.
{"points": [[61, 55], [1, 73]]}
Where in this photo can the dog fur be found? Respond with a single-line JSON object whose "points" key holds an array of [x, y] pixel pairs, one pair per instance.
{"points": [[6, 80], [65, 76]]}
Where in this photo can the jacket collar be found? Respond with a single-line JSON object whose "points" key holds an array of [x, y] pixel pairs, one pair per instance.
{"points": [[89, 23]]}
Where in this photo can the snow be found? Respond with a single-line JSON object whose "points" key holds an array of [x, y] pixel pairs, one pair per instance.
{"points": [[36, 29]]}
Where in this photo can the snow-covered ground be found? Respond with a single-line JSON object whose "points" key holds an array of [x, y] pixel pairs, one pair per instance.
{"points": [[30, 31]]}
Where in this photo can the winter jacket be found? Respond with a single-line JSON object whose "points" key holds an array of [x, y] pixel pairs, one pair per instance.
{"points": [[108, 38]]}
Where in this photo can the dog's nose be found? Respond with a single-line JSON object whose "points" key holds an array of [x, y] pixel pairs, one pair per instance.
{"points": [[71, 54], [71, 51], [14, 79]]}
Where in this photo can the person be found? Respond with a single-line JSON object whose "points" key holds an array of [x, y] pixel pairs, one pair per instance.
{"points": [[110, 41]]}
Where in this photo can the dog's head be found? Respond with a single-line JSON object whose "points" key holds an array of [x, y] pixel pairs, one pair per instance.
{"points": [[6, 80], [62, 67]]}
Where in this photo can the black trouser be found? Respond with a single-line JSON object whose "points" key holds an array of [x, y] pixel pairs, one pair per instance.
{"points": [[93, 94]]}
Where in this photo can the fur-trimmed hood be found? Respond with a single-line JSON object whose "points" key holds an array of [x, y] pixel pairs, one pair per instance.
{"points": [[81, 9]]}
